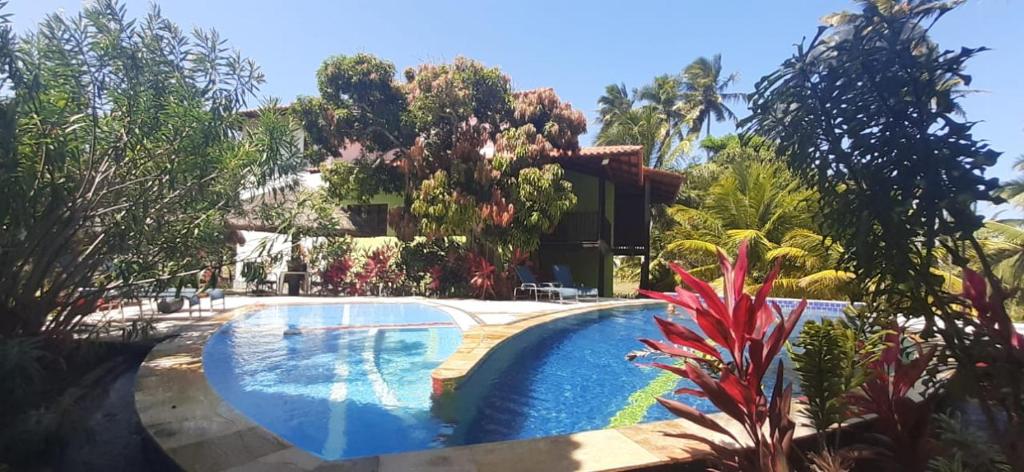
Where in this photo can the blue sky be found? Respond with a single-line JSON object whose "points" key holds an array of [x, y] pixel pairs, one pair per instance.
{"points": [[579, 47]]}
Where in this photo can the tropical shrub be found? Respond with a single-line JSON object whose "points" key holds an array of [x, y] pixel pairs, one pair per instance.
{"points": [[417, 259], [887, 394], [327, 251], [896, 206], [831, 362], [899, 173], [378, 273], [433, 130], [964, 448], [336, 276], [481, 276], [742, 336], [120, 147], [743, 192], [998, 375]]}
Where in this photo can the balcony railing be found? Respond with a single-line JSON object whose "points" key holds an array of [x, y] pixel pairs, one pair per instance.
{"points": [[581, 227]]}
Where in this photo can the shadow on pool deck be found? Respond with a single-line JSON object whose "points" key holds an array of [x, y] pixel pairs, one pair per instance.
{"points": [[109, 435]]}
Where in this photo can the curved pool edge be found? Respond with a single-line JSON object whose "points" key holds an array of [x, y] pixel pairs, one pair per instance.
{"points": [[196, 428], [481, 340]]}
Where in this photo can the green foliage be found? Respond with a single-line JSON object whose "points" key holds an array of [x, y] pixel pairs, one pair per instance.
{"points": [[120, 149], [329, 250], [666, 115], [443, 210], [749, 199], [831, 361], [658, 123], [1003, 242], [22, 364], [361, 180], [418, 258], [964, 449], [543, 197], [706, 95], [448, 116], [867, 113]]}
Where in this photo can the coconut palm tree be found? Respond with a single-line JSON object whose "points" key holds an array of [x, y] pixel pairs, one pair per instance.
{"points": [[706, 93], [615, 102], [642, 126], [1013, 189], [810, 266], [755, 201], [656, 124]]}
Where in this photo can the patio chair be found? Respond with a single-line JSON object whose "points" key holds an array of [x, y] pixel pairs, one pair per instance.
{"points": [[528, 283], [218, 294], [172, 297], [563, 275]]}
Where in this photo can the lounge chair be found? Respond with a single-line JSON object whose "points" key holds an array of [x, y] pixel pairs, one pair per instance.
{"points": [[528, 283], [563, 275]]}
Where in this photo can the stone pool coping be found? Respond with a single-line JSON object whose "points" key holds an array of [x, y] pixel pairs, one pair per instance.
{"points": [[197, 429], [479, 341]]}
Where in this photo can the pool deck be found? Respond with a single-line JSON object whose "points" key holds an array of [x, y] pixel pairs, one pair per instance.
{"points": [[201, 432]]}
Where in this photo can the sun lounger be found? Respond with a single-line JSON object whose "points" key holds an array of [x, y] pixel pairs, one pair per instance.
{"points": [[528, 283], [563, 275]]}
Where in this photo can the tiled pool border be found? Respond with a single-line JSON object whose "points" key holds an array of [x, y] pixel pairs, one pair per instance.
{"points": [[197, 429], [480, 341]]}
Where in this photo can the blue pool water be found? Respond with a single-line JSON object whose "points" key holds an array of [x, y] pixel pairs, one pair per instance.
{"points": [[363, 390], [355, 381]]}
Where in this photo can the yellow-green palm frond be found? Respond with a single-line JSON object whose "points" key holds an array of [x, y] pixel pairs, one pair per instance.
{"points": [[828, 282], [786, 252], [693, 245], [951, 281]]}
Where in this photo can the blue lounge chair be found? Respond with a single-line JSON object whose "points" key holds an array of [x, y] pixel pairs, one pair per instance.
{"points": [[563, 275], [528, 283]]}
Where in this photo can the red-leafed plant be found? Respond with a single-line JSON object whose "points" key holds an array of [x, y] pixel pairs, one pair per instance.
{"points": [[378, 272], [335, 277], [997, 352], [903, 421], [481, 276], [990, 312], [742, 335]]}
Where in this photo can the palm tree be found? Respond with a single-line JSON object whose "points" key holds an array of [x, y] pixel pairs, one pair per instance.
{"points": [[657, 124], [706, 93], [810, 263], [615, 102], [1013, 190], [756, 201], [642, 126], [665, 94]]}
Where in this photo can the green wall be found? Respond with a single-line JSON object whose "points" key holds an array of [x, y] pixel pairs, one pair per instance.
{"points": [[585, 261]]}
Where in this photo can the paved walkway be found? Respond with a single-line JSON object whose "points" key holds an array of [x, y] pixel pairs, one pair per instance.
{"points": [[481, 312]]}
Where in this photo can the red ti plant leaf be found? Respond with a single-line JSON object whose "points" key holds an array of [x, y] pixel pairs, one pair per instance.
{"points": [[700, 419], [741, 337], [899, 418], [481, 276], [991, 313], [683, 336]]}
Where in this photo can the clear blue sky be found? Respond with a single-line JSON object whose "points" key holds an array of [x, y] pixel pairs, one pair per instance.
{"points": [[578, 47]]}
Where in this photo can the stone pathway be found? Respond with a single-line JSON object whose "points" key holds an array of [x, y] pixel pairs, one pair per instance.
{"points": [[482, 312]]}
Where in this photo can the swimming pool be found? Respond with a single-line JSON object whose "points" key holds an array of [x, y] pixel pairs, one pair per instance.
{"points": [[353, 380]]}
